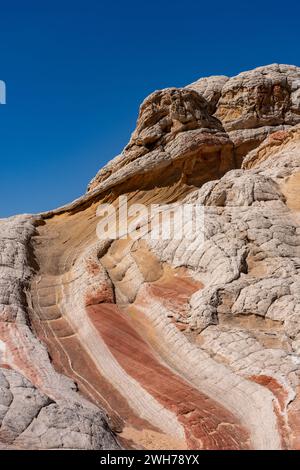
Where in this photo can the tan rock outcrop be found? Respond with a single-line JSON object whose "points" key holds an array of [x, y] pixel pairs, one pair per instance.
{"points": [[188, 342], [175, 137], [254, 104]]}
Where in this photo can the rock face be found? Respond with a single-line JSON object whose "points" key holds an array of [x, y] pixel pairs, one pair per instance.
{"points": [[39, 408], [254, 104], [188, 342], [175, 136]]}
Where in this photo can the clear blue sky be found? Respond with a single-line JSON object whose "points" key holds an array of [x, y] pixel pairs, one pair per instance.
{"points": [[76, 72]]}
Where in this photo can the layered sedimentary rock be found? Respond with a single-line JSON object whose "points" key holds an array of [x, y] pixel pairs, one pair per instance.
{"points": [[39, 408], [178, 342], [253, 104], [175, 137]]}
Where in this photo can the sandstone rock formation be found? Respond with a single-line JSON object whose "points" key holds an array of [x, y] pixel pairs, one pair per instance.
{"points": [[176, 343], [253, 104]]}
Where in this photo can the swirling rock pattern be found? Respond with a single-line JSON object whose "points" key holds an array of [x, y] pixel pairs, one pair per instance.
{"points": [[166, 343]]}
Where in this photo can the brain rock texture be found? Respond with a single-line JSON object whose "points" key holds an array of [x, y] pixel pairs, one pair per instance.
{"points": [[166, 343]]}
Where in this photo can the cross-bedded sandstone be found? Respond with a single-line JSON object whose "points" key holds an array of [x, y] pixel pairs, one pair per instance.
{"points": [[166, 343]]}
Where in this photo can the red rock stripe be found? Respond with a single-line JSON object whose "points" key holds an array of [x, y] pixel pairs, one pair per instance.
{"points": [[206, 423]]}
